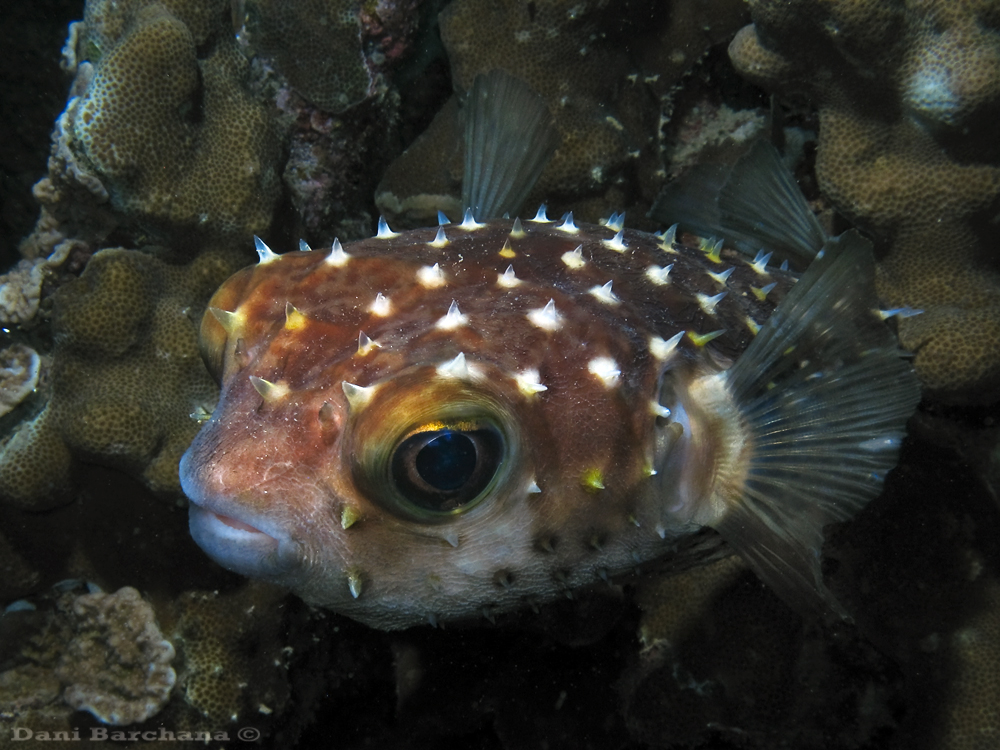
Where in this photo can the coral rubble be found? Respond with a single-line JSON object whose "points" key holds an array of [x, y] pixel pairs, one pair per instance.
{"points": [[101, 653], [117, 665], [907, 94]]}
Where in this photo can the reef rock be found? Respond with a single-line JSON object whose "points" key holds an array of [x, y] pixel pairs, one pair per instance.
{"points": [[907, 94]]}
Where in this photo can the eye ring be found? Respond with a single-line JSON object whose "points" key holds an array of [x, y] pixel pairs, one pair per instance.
{"points": [[443, 469]]}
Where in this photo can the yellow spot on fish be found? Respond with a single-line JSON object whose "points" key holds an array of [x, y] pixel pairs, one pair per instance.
{"points": [[668, 239], [354, 582], [700, 339], [759, 263], [268, 390], [753, 326], [294, 320], [763, 291], [507, 251], [592, 480], [366, 344], [349, 516], [712, 249], [529, 382], [231, 322], [357, 396], [440, 239], [722, 277], [469, 222]]}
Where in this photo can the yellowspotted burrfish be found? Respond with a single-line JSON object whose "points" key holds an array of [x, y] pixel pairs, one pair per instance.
{"points": [[481, 416]]}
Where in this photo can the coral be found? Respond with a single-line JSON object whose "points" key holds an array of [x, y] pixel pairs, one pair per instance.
{"points": [[98, 652], [117, 666], [19, 366], [316, 44], [972, 721], [607, 73], [75, 211], [233, 651], [239, 656], [907, 94], [21, 287], [127, 381], [182, 147]]}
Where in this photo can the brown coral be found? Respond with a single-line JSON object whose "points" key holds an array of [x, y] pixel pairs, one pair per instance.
{"points": [[907, 95], [316, 44], [178, 140], [128, 384], [235, 663]]}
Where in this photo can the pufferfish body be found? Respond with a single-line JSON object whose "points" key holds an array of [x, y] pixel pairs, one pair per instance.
{"points": [[477, 417]]}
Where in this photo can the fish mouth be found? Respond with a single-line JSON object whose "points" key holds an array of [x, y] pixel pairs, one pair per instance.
{"points": [[241, 543]]}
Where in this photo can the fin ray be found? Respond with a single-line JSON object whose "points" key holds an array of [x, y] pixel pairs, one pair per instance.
{"points": [[824, 395], [509, 138], [754, 203]]}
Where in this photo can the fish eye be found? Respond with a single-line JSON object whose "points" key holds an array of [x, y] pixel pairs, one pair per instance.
{"points": [[444, 468]]}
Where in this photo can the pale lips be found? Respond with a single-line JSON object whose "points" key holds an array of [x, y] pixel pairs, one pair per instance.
{"points": [[236, 524]]}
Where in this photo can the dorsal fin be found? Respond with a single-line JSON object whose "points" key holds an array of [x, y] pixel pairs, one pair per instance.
{"points": [[509, 138], [752, 203]]}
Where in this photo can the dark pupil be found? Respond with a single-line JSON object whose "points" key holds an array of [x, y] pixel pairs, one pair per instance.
{"points": [[447, 461], [442, 470]]}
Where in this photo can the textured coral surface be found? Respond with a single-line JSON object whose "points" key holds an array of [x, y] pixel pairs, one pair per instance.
{"points": [[171, 129], [190, 124], [127, 381], [907, 94]]}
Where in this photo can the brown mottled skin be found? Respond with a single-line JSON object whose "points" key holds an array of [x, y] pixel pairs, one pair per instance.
{"points": [[300, 465]]}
